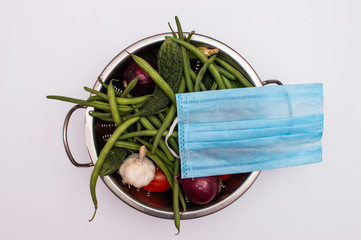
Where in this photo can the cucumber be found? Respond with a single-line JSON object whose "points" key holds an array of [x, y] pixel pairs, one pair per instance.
{"points": [[113, 160], [170, 67]]}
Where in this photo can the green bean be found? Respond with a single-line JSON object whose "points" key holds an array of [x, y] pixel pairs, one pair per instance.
{"points": [[160, 116], [130, 87], [180, 193], [194, 76], [162, 144], [98, 165], [225, 73], [127, 145], [102, 105], [236, 84], [95, 104], [102, 116], [139, 126], [167, 121], [146, 123], [95, 98], [158, 152], [154, 120], [176, 191], [186, 69], [113, 104], [172, 141], [132, 100], [227, 82], [174, 144], [119, 100], [165, 168], [182, 86], [214, 86], [202, 71], [102, 83], [171, 29], [182, 200], [190, 36], [139, 105], [203, 58], [106, 85], [166, 150], [161, 111], [155, 77], [146, 133], [125, 109], [97, 93], [187, 65], [179, 28], [235, 72]]}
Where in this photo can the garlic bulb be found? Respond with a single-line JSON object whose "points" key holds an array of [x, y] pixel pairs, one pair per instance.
{"points": [[137, 169]]}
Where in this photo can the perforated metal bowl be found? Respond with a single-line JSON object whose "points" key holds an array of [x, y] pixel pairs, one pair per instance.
{"points": [[160, 204]]}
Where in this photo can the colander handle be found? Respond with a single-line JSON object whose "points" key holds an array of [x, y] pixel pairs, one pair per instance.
{"points": [[65, 138], [272, 81]]}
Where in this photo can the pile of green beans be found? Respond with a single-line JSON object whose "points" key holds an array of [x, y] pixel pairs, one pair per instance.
{"points": [[133, 131]]}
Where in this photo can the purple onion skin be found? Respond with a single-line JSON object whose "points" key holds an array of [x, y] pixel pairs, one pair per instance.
{"points": [[145, 84], [200, 190]]}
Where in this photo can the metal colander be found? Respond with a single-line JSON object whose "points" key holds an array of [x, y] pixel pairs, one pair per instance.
{"points": [[159, 204]]}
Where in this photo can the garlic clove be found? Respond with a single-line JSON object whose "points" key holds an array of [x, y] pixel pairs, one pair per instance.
{"points": [[137, 170]]}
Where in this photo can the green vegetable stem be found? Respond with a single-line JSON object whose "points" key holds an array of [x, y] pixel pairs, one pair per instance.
{"points": [[113, 104], [203, 58], [176, 191], [148, 125], [106, 86], [166, 123], [98, 165], [102, 116], [202, 71], [130, 87], [96, 104], [186, 61], [234, 72], [155, 76]]}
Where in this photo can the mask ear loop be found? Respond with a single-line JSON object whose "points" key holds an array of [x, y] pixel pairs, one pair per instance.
{"points": [[171, 129]]}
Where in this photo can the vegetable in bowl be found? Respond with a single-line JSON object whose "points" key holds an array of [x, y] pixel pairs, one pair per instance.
{"points": [[145, 120]]}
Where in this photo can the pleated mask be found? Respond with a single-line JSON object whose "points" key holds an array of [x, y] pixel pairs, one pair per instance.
{"points": [[249, 129]]}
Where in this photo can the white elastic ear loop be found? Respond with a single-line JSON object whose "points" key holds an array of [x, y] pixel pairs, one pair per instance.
{"points": [[171, 129]]}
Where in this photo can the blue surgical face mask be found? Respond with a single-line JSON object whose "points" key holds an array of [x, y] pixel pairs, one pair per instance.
{"points": [[249, 129]]}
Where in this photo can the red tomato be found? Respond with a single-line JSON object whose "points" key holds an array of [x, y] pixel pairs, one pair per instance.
{"points": [[224, 177], [159, 183]]}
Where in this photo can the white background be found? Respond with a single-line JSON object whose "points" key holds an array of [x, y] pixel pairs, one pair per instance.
{"points": [[57, 47]]}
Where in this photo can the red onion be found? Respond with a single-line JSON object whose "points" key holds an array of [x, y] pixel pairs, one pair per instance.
{"points": [[200, 190], [145, 84]]}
